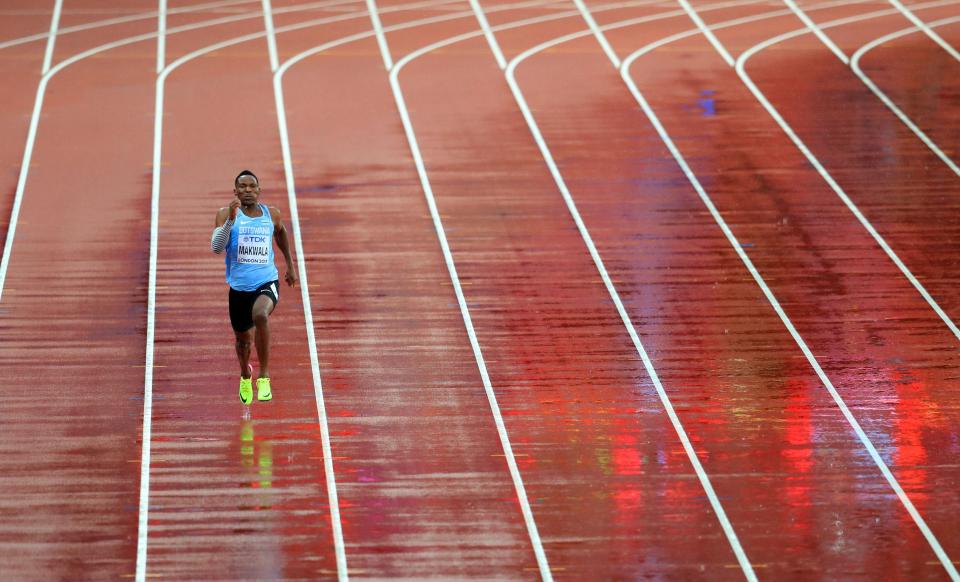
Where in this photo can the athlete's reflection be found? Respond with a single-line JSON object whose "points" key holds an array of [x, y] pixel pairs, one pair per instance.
{"points": [[256, 457]]}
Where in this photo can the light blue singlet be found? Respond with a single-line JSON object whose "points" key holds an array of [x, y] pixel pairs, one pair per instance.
{"points": [[250, 252]]}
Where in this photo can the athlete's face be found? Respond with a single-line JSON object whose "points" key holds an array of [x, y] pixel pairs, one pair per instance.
{"points": [[247, 190]]}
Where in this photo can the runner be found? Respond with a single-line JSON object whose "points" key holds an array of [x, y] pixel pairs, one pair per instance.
{"points": [[244, 230]]}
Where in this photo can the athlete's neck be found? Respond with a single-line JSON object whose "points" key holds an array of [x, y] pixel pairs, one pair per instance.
{"points": [[251, 210]]}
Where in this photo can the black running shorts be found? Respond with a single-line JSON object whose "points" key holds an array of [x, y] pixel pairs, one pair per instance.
{"points": [[241, 304]]}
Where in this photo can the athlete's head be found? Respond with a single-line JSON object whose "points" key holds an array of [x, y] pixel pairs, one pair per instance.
{"points": [[247, 187]]}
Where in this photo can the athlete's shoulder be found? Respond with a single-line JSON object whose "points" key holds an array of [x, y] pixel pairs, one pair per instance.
{"points": [[274, 212]]}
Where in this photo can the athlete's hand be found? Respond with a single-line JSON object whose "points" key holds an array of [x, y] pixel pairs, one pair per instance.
{"points": [[290, 278], [234, 208]]}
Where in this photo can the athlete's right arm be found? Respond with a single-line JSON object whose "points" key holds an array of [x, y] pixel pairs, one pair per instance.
{"points": [[221, 233]]}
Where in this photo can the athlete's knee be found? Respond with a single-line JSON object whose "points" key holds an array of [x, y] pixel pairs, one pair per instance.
{"points": [[243, 343], [260, 317]]}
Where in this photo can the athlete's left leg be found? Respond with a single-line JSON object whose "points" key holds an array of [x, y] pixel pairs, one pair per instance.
{"points": [[262, 308]]}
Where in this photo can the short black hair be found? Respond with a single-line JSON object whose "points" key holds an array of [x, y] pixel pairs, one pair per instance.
{"points": [[236, 181]]}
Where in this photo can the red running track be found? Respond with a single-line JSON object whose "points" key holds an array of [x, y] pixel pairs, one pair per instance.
{"points": [[424, 486]]}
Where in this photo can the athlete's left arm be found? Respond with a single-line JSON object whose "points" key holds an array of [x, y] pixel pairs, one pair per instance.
{"points": [[280, 235]]}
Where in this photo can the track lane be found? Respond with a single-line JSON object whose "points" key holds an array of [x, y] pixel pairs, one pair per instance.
{"points": [[70, 331], [864, 369], [79, 13]]}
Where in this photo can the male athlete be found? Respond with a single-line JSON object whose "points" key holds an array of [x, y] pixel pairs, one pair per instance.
{"points": [[246, 230]]}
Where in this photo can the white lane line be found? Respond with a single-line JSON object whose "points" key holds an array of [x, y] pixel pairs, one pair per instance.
{"points": [[861, 435], [145, 15], [161, 35], [436, 19], [119, 20], [926, 29], [333, 499], [525, 509], [52, 36], [491, 38], [707, 32], [601, 38], [381, 37], [826, 40], [146, 438], [271, 35], [854, 65]]}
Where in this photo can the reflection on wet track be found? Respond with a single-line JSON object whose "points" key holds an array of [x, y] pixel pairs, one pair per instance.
{"points": [[419, 467]]}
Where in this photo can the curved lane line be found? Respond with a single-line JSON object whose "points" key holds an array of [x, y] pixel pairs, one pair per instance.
{"points": [[861, 435], [412, 24], [119, 20], [52, 36], [926, 29], [161, 35], [817, 31], [854, 65], [271, 36]]}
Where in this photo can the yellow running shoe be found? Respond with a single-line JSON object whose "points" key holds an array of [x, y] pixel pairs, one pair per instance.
{"points": [[263, 389], [246, 387]]}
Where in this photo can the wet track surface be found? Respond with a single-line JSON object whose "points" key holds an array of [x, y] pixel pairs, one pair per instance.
{"points": [[411, 379]]}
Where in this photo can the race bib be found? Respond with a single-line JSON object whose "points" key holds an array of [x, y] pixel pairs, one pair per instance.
{"points": [[253, 245]]}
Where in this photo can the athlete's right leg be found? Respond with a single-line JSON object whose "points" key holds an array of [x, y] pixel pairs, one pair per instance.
{"points": [[244, 342]]}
